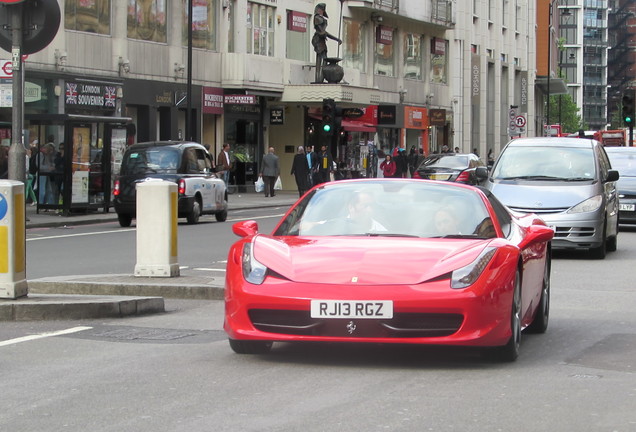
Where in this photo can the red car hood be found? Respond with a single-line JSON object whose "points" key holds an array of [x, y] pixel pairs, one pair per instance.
{"points": [[364, 260]]}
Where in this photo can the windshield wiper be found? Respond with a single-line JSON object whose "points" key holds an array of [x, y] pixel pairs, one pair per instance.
{"points": [[531, 177]]}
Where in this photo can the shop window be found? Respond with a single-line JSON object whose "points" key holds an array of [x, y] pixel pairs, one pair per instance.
{"points": [[260, 29], [384, 52], [353, 45], [147, 20], [87, 16], [412, 56], [204, 23], [439, 61], [297, 37]]}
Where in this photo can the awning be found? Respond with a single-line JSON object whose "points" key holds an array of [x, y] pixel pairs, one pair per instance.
{"points": [[356, 126], [557, 85]]}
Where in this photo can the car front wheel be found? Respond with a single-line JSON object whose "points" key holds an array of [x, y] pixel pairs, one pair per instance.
{"points": [[250, 347], [510, 351]]}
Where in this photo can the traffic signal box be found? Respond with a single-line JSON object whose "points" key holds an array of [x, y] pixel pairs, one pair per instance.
{"points": [[328, 116], [629, 109]]}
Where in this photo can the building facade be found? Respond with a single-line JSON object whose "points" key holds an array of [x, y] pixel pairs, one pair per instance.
{"points": [[425, 73]]}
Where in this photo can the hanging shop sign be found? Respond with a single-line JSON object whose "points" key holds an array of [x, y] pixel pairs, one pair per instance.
{"points": [[384, 35], [90, 96], [297, 21], [212, 100], [438, 117]]}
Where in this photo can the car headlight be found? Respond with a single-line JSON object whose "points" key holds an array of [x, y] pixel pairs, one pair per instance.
{"points": [[253, 271], [466, 276], [589, 205]]}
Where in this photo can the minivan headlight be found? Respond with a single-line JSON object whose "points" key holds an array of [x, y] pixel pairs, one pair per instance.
{"points": [[589, 205]]}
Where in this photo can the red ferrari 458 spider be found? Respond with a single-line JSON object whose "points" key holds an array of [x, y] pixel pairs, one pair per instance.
{"points": [[390, 261]]}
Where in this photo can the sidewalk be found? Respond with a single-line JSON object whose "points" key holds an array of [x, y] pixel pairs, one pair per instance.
{"points": [[107, 295]]}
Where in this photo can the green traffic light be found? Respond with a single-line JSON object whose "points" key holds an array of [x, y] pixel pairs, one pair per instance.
{"points": [[326, 128], [628, 119]]}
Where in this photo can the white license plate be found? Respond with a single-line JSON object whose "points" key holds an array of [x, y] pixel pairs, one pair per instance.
{"points": [[380, 309], [627, 207]]}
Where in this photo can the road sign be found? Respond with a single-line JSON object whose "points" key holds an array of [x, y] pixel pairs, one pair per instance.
{"points": [[6, 69], [520, 121]]}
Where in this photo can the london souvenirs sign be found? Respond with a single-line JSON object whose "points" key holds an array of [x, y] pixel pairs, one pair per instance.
{"points": [[84, 95]]}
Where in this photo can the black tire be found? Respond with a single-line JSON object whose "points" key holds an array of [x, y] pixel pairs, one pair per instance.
{"points": [[540, 322], [510, 351], [612, 242], [601, 251], [250, 347], [195, 212], [124, 219], [221, 216]]}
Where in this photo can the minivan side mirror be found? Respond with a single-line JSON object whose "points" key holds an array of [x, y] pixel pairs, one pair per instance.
{"points": [[481, 172], [612, 175]]}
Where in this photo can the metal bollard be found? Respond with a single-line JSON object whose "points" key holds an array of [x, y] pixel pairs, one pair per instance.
{"points": [[13, 282], [157, 229]]}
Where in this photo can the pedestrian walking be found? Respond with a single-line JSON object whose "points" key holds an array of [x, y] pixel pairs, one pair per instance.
{"points": [[46, 168], [300, 171], [30, 178], [412, 161], [270, 171], [401, 164], [388, 166], [312, 163], [224, 163], [325, 165]]}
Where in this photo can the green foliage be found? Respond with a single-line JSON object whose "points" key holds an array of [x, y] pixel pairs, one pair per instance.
{"points": [[564, 111]]}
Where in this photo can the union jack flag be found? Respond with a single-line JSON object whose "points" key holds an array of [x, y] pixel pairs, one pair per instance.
{"points": [[71, 93], [109, 96]]}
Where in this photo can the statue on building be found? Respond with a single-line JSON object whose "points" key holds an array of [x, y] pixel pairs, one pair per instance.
{"points": [[319, 40]]}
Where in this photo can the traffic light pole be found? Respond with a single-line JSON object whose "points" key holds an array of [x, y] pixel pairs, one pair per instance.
{"points": [[17, 152]]}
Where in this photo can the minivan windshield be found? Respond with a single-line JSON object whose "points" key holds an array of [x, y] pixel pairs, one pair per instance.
{"points": [[164, 160], [545, 163]]}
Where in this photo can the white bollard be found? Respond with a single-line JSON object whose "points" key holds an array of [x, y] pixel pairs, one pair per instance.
{"points": [[157, 229], [13, 282]]}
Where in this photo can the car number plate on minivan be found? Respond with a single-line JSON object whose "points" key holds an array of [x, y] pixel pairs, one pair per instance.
{"points": [[627, 207], [380, 309]]}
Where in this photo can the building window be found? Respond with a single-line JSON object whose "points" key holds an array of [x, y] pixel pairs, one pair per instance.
{"points": [[412, 56], [297, 37], [147, 20], [260, 29], [203, 23], [87, 16], [353, 45], [439, 61], [384, 52]]}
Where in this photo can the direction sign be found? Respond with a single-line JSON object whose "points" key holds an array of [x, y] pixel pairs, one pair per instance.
{"points": [[6, 69], [520, 121]]}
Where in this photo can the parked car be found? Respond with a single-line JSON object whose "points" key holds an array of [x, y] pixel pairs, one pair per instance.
{"points": [[390, 261], [188, 164], [569, 182], [456, 167], [623, 159]]}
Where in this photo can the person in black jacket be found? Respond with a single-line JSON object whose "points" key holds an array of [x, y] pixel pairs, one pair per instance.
{"points": [[325, 165], [300, 170]]}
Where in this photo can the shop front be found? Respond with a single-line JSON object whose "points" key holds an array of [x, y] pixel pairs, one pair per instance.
{"points": [[243, 127], [416, 129]]}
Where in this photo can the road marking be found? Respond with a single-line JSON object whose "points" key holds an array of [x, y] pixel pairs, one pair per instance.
{"points": [[43, 335], [79, 234], [133, 229], [209, 269]]}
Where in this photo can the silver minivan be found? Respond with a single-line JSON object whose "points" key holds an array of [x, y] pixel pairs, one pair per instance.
{"points": [[568, 182]]}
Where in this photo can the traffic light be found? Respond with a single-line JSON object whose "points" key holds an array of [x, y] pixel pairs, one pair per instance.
{"points": [[628, 109], [328, 116]]}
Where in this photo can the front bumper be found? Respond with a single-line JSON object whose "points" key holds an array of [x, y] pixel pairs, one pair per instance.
{"points": [[430, 313]]}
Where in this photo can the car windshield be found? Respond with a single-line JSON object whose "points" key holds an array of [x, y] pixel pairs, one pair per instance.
{"points": [[545, 163], [390, 209], [151, 160], [624, 162], [446, 162]]}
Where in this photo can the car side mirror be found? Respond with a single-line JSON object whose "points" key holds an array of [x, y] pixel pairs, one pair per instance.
{"points": [[612, 175], [481, 172], [536, 234], [245, 228]]}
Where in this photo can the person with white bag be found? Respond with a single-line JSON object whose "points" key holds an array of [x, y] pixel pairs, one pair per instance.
{"points": [[270, 171]]}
